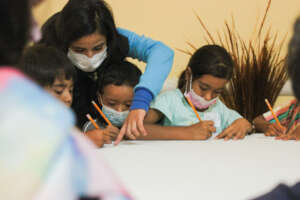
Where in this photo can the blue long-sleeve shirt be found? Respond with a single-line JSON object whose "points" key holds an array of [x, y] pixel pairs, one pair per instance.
{"points": [[159, 59]]}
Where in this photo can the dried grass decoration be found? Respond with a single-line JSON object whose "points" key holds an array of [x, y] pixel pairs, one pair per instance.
{"points": [[259, 69]]}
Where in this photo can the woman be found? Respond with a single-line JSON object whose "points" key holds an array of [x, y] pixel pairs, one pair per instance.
{"points": [[85, 30]]}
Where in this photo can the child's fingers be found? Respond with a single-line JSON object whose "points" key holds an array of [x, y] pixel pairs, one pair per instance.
{"points": [[279, 129], [224, 133], [239, 135], [107, 139], [280, 137], [267, 133], [113, 132], [208, 122], [212, 129], [271, 132], [113, 129], [229, 136], [121, 134]]}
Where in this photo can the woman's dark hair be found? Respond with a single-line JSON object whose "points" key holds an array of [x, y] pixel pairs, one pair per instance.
{"points": [[123, 73], [44, 64], [209, 60], [80, 18], [293, 59], [77, 19], [14, 34]]}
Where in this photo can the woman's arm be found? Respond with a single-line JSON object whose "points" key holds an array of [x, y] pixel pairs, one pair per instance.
{"points": [[159, 59], [158, 56]]}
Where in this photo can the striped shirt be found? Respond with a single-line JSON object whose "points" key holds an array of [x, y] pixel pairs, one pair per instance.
{"points": [[288, 114]]}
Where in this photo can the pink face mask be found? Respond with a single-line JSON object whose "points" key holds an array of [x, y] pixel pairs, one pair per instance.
{"points": [[198, 101]]}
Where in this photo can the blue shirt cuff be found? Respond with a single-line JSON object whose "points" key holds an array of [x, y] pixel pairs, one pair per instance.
{"points": [[141, 100]]}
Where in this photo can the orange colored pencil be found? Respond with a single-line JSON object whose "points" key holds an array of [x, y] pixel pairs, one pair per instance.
{"points": [[273, 113], [101, 113], [194, 109], [91, 120]]}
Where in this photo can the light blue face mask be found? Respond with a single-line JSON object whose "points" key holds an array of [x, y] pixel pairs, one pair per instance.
{"points": [[115, 117]]}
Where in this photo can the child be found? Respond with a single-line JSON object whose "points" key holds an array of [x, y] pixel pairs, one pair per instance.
{"points": [[293, 62], [283, 191], [51, 69], [208, 71], [115, 92], [288, 115]]}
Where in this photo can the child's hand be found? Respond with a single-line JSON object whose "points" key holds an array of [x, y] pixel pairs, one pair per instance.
{"points": [[111, 131], [133, 125], [275, 130], [237, 130], [202, 130], [97, 136], [292, 135]]}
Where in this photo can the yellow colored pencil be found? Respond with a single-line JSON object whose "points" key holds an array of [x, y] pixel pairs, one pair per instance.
{"points": [[101, 113], [194, 109], [273, 113], [93, 122]]}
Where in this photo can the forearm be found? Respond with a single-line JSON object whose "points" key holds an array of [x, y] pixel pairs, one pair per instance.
{"points": [[260, 124], [157, 132]]}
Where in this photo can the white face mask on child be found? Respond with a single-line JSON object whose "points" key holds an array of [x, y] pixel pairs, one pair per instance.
{"points": [[115, 117], [85, 63], [198, 101]]}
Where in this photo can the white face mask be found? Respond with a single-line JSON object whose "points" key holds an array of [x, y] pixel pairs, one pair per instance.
{"points": [[115, 117], [85, 63], [198, 101]]}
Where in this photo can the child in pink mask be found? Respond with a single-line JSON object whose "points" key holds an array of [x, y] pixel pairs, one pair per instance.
{"points": [[209, 70]]}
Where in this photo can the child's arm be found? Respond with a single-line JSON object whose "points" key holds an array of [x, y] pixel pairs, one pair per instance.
{"points": [[200, 131], [237, 130], [262, 125], [153, 116]]}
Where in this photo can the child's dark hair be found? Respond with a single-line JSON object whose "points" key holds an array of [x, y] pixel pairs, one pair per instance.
{"points": [[123, 73], [209, 60], [44, 64], [293, 59]]}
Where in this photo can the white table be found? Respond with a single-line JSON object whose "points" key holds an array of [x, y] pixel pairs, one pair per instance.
{"points": [[207, 170]]}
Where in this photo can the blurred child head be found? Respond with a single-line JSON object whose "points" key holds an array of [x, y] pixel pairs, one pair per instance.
{"points": [[116, 90], [51, 69], [208, 71], [293, 59]]}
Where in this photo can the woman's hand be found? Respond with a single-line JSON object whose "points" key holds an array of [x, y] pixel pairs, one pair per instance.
{"points": [[133, 125], [237, 130], [275, 130]]}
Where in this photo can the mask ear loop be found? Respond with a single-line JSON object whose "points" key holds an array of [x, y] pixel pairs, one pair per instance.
{"points": [[188, 83]]}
